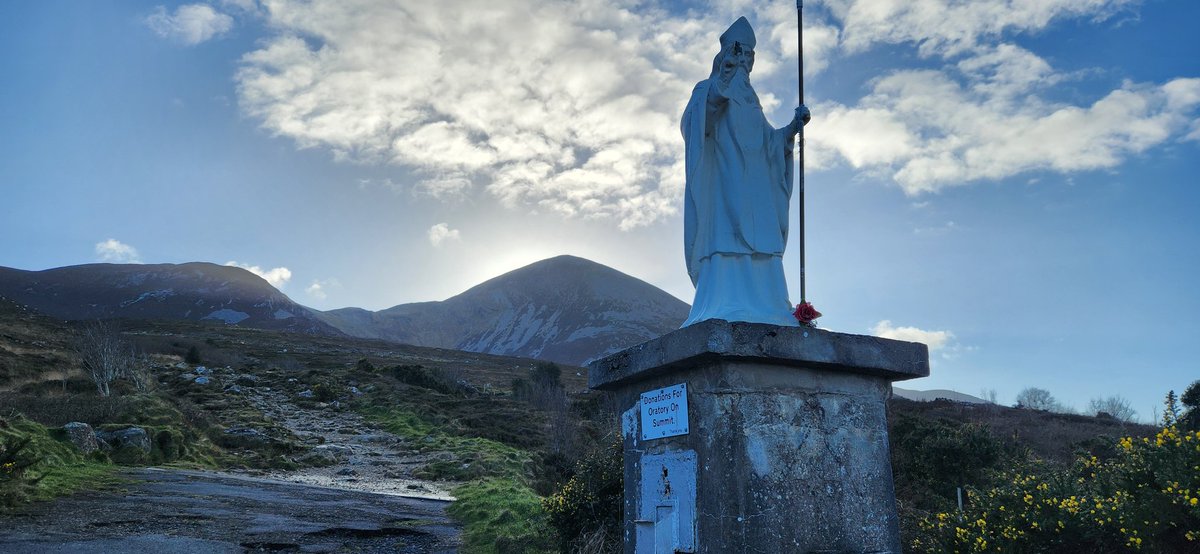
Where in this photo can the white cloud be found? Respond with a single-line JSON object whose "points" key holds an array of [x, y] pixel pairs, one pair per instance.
{"points": [[934, 339], [948, 27], [1194, 133], [245, 6], [984, 115], [983, 118], [320, 288], [316, 290], [277, 277], [190, 24], [441, 233], [116, 252], [583, 119], [564, 106]]}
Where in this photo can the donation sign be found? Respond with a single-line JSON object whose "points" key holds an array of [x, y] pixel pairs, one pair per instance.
{"points": [[664, 412]]}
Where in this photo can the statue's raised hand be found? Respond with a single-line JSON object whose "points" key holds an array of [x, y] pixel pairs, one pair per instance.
{"points": [[802, 118]]}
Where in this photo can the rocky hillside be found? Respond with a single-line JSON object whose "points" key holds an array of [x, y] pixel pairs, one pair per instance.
{"points": [[192, 291], [31, 344], [564, 309]]}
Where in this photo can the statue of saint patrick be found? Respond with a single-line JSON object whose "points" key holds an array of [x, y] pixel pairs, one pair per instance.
{"points": [[739, 182]]}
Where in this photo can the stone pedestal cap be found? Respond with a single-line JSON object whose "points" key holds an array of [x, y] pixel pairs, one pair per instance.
{"points": [[714, 340]]}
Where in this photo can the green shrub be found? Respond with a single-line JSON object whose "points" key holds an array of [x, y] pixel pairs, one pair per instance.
{"points": [[1144, 497], [192, 356], [591, 500], [546, 374], [323, 392], [426, 377], [544, 382], [931, 458], [1190, 419]]}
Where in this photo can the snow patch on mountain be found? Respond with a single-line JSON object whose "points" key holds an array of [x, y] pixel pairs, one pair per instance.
{"points": [[159, 295], [231, 317]]}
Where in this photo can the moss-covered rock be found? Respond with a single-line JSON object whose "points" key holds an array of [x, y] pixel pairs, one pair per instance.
{"points": [[49, 466]]}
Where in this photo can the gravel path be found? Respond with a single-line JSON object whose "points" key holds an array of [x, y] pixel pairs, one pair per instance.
{"points": [[366, 457]]}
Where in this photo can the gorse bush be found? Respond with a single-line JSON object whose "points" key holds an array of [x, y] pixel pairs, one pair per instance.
{"points": [[1145, 497], [365, 365], [590, 500], [15, 486]]}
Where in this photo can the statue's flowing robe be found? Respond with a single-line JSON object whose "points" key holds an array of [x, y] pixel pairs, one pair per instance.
{"points": [[739, 182]]}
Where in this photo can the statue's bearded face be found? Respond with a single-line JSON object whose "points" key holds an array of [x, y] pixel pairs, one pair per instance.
{"points": [[739, 56]]}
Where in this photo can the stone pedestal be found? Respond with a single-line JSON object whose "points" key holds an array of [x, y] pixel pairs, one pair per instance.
{"points": [[785, 448]]}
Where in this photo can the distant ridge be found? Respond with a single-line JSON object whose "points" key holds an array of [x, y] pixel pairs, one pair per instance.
{"points": [[935, 394], [195, 291], [565, 309]]}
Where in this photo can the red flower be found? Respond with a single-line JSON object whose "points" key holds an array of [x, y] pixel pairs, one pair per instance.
{"points": [[805, 313]]}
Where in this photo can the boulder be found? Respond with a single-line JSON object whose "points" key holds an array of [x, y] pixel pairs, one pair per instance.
{"points": [[82, 436], [129, 437], [202, 380]]}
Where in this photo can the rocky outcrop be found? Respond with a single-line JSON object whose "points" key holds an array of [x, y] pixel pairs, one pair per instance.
{"points": [[82, 436], [133, 438]]}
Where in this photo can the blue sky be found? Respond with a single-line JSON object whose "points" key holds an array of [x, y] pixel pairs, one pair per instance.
{"points": [[1013, 183]]}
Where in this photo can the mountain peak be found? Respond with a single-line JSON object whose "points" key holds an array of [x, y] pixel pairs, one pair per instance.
{"points": [[560, 266], [565, 309]]}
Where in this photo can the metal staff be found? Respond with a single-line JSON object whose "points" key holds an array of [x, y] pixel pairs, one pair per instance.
{"points": [[800, 164]]}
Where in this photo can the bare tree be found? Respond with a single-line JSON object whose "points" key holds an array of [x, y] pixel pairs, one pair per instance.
{"points": [[564, 430], [104, 354], [1037, 399], [1116, 406], [988, 395], [138, 371]]}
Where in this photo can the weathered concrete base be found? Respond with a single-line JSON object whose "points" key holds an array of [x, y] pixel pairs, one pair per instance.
{"points": [[786, 449]]}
